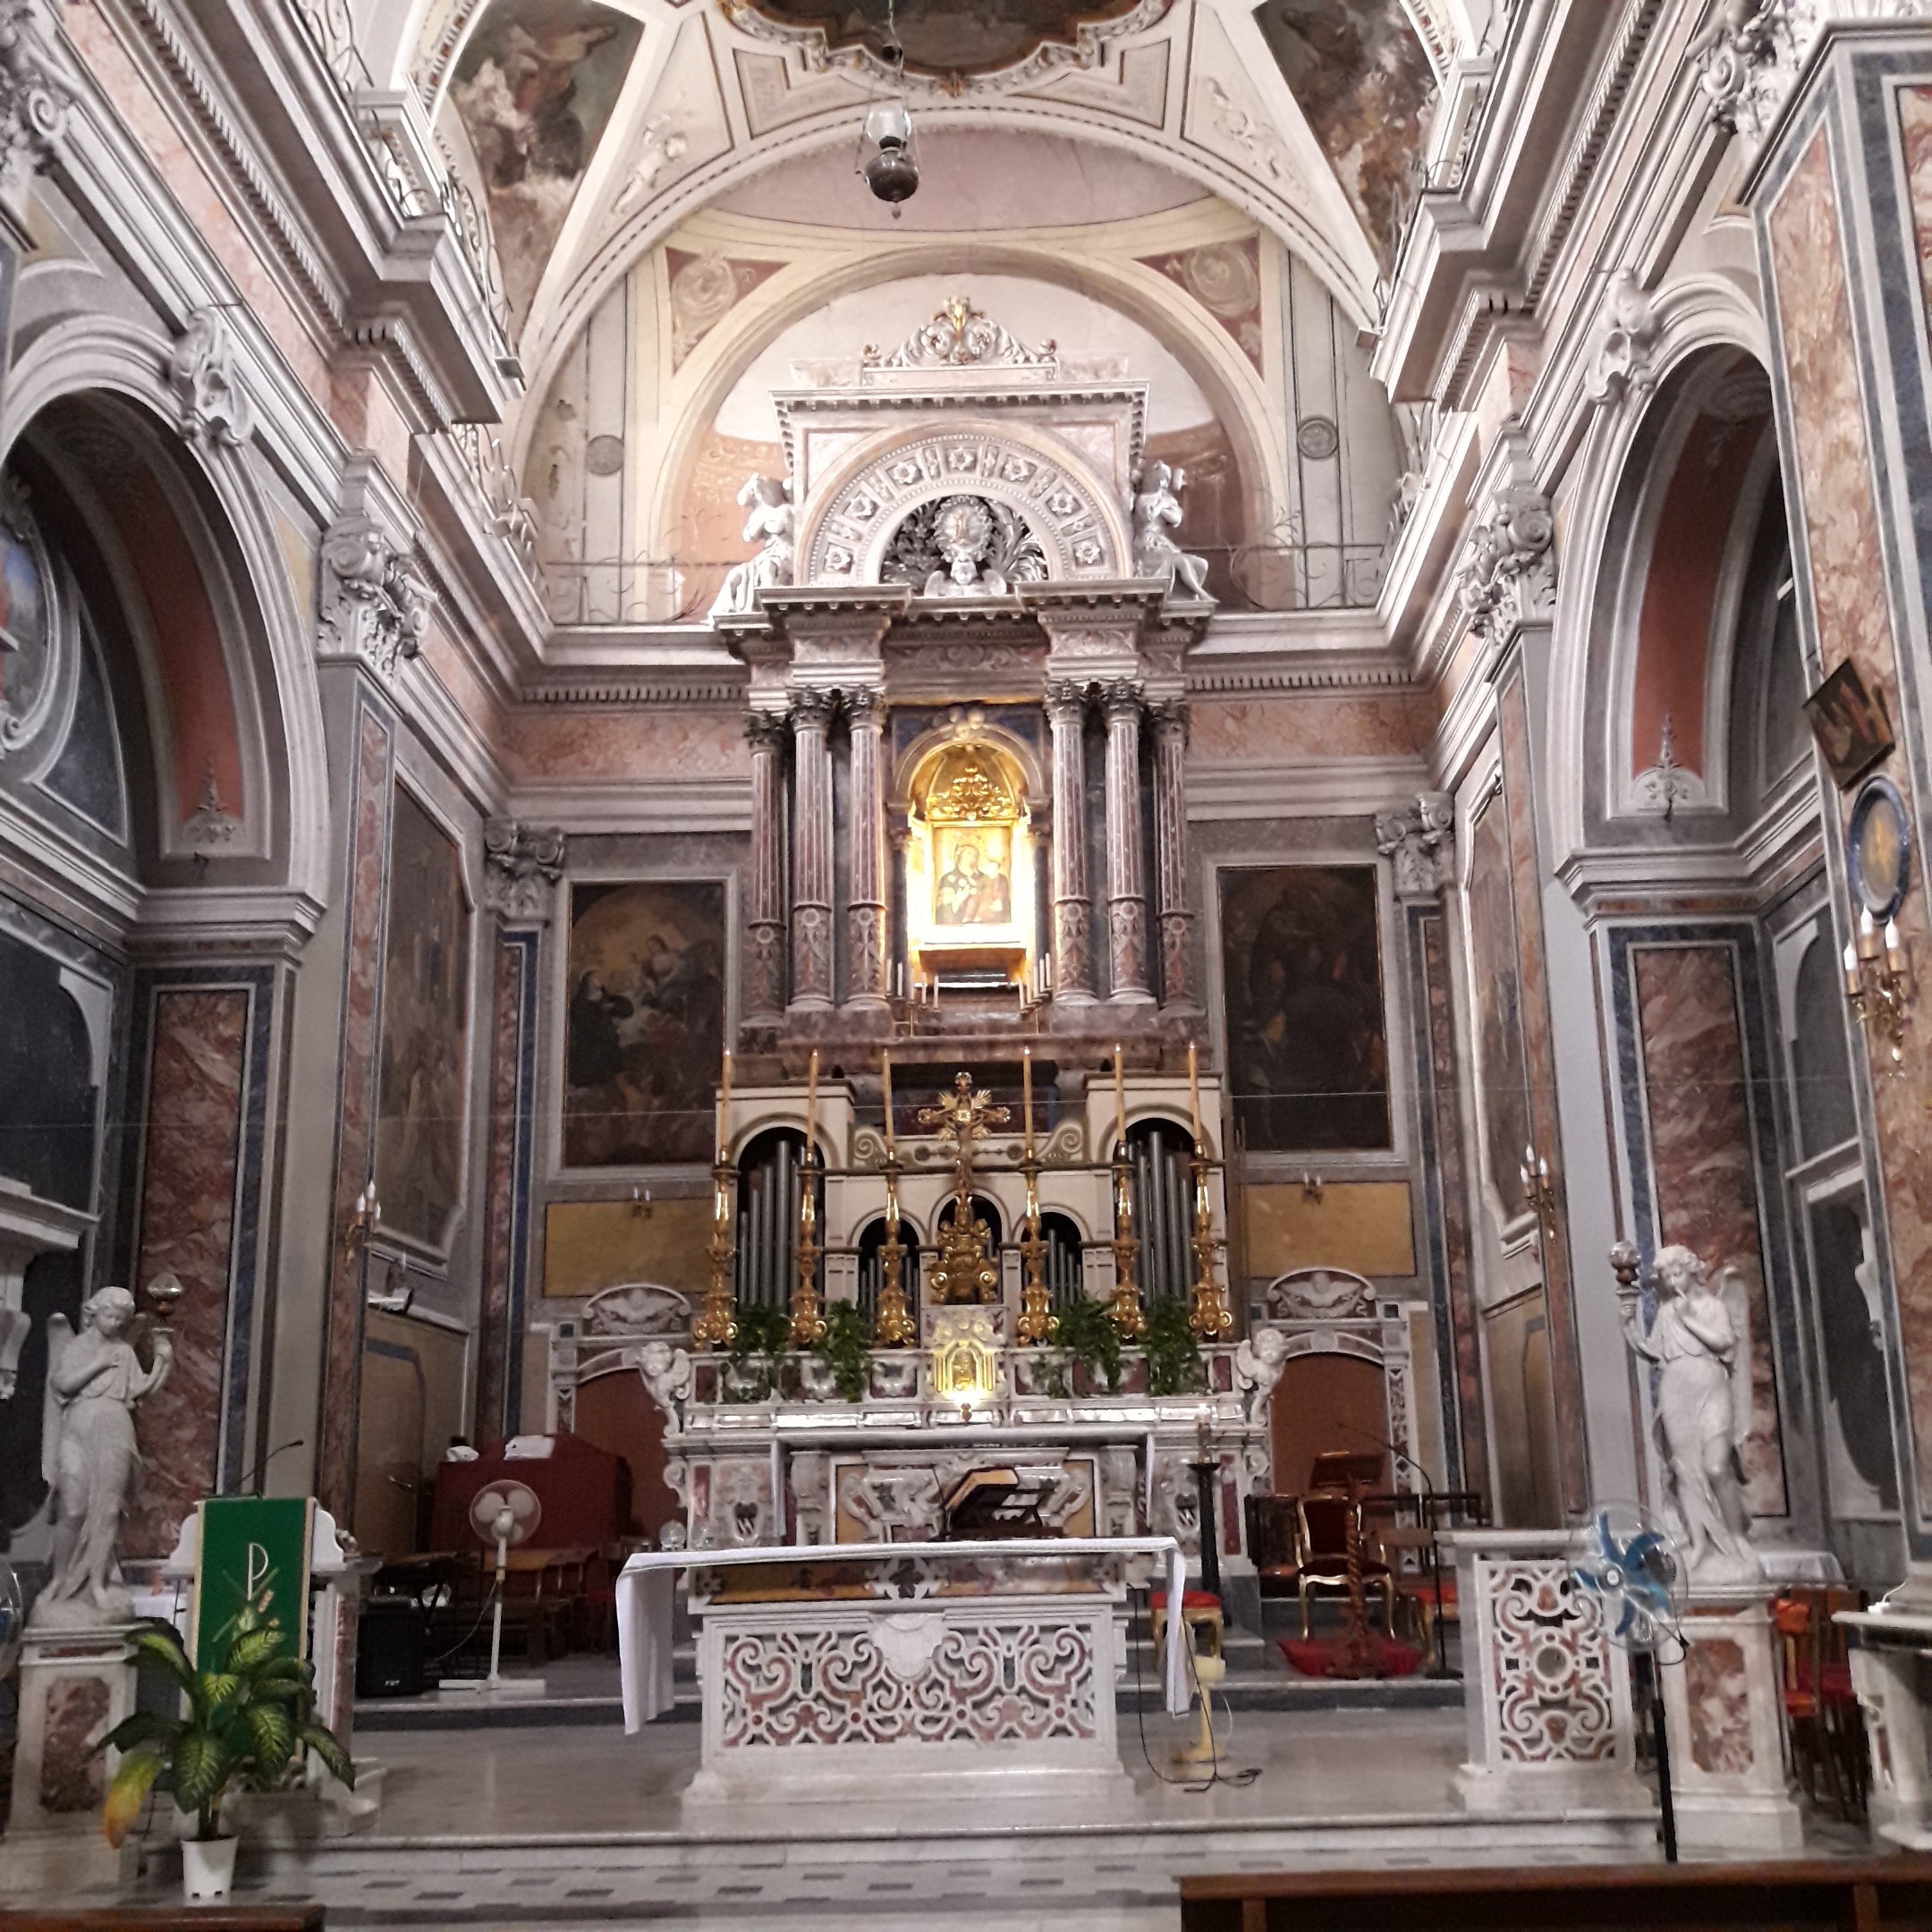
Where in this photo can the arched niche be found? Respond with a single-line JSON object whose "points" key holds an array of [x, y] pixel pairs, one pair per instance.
{"points": [[972, 864]]}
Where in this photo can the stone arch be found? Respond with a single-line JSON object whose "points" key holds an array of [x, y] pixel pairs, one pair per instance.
{"points": [[1707, 332], [85, 401], [969, 728], [855, 511]]}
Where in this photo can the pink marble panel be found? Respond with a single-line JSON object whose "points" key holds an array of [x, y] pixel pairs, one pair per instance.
{"points": [[342, 1359], [1539, 1059], [560, 742], [189, 1162], [72, 1777], [1697, 1096], [1441, 1098], [1234, 730], [1716, 1689], [1839, 529], [499, 1198]]}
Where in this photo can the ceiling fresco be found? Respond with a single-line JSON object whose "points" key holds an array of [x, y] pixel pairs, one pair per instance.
{"points": [[535, 87], [1362, 78], [944, 37]]}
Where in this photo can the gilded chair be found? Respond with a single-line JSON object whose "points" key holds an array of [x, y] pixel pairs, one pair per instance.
{"points": [[1321, 1556]]}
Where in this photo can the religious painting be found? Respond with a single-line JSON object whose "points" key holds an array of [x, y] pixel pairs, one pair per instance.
{"points": [[975, 882], [27, 646], [1302, 983], [1502, 1080], [535, 88], [644, 1036], [949, 37], [425, 1024], [1851, 723]]}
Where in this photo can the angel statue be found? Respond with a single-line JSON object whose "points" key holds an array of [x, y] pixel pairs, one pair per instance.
{"points": [[1699, 1340], [769, 501], [94, 1380], [1156, 510]]}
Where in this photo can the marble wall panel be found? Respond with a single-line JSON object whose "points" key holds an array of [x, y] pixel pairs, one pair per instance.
{"points": [[73, 1773], [1445, 1180], [1235, 730], [561, 742], [361, 1018], [1838, 532], [1697, 1087], [191, 1172], [1540, 1054], [507, 1189]]}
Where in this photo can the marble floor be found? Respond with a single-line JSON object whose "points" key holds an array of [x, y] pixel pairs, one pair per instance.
{"points": [[536, 1827]]}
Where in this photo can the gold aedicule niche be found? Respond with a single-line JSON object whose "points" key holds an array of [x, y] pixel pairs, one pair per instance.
{"points": [[970, 865]]}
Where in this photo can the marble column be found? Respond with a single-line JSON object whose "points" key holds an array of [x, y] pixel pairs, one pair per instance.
{"points": [[1073, 935], [812, 851], [864, 916], [765, 911], [1127, 947], [1170, 853]]}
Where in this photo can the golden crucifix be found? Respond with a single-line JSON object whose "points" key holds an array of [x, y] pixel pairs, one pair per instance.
{"points": [[965, 1270]]}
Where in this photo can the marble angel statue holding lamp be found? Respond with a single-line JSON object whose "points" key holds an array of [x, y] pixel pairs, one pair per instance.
{"points": [[1699, 1342], [769, 524], [94, 1381]]}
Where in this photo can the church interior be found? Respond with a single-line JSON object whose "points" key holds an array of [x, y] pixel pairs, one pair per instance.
{"points": [[958, 961]]}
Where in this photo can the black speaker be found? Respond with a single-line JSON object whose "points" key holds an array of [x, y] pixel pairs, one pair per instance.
{"points": [[391, 1649]]}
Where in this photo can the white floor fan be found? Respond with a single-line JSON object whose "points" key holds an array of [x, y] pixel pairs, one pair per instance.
{"points": [[1632, 1568], [506, 1513]]}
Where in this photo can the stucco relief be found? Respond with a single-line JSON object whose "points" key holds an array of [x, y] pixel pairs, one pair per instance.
{"points": [[848, 536]]}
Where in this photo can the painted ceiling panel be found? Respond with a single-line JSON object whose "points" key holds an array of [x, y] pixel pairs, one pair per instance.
{"points": [[1361, 77], [535, 86]]}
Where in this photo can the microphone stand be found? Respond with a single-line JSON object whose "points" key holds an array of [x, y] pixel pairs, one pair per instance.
{"points": [[1404, 1459]]}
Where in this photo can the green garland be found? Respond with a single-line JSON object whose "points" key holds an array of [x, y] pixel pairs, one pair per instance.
{"points": [[1087, 1334], [847, 1345], [1174, 1358]]}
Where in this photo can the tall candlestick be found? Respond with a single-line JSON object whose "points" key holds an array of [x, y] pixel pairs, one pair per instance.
{"points": [[1026, 1078], [811, 1101], [885, 1060], [723, 1112], [1119, 1098], [1193, 1093]]}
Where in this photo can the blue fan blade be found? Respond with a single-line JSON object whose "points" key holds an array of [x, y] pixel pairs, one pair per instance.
{"points": [[1605, 1542], [1588, 1580], [1642, 1546], [1627, 1619]]}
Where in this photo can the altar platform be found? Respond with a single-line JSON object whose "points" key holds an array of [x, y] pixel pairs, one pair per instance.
{"points": [[566, 1827]]}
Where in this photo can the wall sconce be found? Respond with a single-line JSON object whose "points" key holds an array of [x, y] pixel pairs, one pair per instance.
{"points": [[641, 1204], [1537, 1190], [1312, 1185], [365, 1219], [1877, 983]]}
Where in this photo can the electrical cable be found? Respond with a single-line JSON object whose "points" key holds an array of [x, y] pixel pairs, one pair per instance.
{"points": [[488, 1603], [1236, 1780]]}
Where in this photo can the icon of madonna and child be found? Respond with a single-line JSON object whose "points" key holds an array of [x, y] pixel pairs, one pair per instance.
{"points": [[975, 882]]}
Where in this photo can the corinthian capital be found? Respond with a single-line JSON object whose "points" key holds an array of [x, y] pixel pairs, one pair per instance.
{"points": [[1508, 571]]}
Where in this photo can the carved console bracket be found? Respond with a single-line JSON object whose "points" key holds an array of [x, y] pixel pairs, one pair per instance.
{"points": [[521, 865]]}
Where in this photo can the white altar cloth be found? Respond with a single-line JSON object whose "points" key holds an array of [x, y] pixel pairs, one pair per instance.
{"points": [[644, 1600]]}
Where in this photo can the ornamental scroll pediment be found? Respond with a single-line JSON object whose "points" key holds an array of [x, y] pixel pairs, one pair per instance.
{"points": [[961, 336], [1076, 532]]}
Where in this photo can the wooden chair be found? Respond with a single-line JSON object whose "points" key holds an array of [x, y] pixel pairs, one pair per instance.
{"points": [[1272, 1533], [1321, 1556]]}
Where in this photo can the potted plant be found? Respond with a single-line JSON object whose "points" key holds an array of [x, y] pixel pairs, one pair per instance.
{"points": [[754, 1363], [1087, 1335], [244, 1725], [1174, 1358], [844, 1352]]}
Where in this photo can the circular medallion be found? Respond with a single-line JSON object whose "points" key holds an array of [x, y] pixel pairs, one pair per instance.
{"points": [[1878, 849], [1317, 438], [603, 456], [1222, 279]]}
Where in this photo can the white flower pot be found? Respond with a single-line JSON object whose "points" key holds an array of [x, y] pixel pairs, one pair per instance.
{"points": [[208, 1868]]}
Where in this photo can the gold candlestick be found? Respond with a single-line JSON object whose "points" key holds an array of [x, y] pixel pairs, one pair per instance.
{"points": [[807, 1310], [1208, 1314], [717, 1327], [891, 1323], [1124, 1310], [1037, 1322]]}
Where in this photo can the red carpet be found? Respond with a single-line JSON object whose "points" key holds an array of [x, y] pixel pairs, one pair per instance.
{"points": [[1321, 1657]]}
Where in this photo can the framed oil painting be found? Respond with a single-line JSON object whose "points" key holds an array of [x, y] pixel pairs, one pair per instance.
{"points": [[1852, 727], [1301, 981], [644, 1030], [425, 1029]]}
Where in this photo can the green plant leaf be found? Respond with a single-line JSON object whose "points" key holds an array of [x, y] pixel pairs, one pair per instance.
{"points": [[141, 1728], [214, 1691], [271, 1739], [297, 1669], [133, 1780], [322, 1743], [278, 1690], [161, 1646], [202, 1766], [254, 1648]]}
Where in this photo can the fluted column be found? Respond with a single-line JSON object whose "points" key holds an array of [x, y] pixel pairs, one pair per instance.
{"points": [[765, 911], [812, 851], [1127, 947], [1072, 908], [1170, 852], [864, 916]]}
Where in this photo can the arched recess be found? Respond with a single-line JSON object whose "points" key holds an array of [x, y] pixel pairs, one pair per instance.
{"points": [[570, 292], [1709, 336], [1236, 398], [195, 575]]}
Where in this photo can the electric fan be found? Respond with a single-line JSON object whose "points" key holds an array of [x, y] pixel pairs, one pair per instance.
{"points": [[506, 1513], [1633, 1569]]}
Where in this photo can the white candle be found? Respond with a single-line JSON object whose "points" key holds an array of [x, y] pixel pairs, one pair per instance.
{"points": [[1119, 1098], [886, 1060], [1026, 1077], [723, 1112], [1193, 1089]]}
